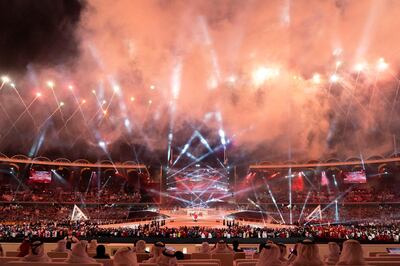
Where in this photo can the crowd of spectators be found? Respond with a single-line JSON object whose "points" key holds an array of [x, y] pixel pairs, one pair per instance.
{"points": [[59, 196], [350, 213], [61, 229], [354, 195], [109, 196], [109, 193], [270, 253], [113, 213], [46, 213]]}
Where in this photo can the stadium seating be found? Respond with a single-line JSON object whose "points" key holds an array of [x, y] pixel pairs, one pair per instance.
{"points": [[384, 263], [198, 264], [106, 262], [374, 259], [218, 260], [225, 258], [187, 256], [239, 255], [375, 254], [192, 261], [12, 253], [245, 261], [142, 256], [4, 260], [53, 254], [388, 255], [20, 263], [201, 256], [58, 259], [15, 261]]}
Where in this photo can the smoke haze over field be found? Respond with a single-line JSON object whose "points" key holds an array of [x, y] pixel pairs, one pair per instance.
{"points": [[277, 77]]}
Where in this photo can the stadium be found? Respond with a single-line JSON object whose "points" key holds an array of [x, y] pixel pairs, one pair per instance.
{"points": [[198, 133]]}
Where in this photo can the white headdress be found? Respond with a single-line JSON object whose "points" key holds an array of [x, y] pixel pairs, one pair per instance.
{"points": [[308, 255], [140, 246], [205, 247], [79, 254], [167, 258], [126, 257], [352, 253], [61, 246], [334, 253], [36, 253], [269, 256]]}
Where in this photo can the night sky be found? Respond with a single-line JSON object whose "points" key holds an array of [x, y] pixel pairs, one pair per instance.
{"points": [[37, 32]]}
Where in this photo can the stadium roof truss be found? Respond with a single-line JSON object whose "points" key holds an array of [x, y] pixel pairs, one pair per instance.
{"points": [[77, 163], [324, 164]]}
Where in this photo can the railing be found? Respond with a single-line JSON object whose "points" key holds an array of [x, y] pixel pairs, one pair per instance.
{"points": [[73, 164], [323, 164], [80, 202]]}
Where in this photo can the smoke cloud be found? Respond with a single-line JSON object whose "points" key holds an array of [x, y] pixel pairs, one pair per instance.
{"points": [[247, 67]]}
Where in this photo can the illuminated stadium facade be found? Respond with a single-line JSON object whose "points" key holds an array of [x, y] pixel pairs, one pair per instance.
{"points": [[284, 192]]}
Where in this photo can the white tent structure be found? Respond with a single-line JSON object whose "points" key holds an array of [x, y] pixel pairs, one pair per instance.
{"points": [[78, 215]]}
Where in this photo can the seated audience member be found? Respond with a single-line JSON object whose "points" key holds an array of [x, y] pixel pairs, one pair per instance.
{"points": [[308, 255], [269, 256], [156, 252], [79, 254], [125, 257], [334, 253], [140, 247], [256, 255], [283, 252], [24, 247], [91, 249], [1, 251], [61, 246], [294, 252], [68, 246], [205, 247], [221, 247], [167, 258], [179, 255], [101, 252], [352, 254], [71, 237], [36, 253], [235, 245]]}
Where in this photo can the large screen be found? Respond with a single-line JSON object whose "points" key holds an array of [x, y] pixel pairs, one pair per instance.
{"points": [[198, 186], [40, 176], [357, 177]]}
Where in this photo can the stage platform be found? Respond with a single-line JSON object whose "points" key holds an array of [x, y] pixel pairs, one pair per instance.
{"points": [[206, 217]]}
